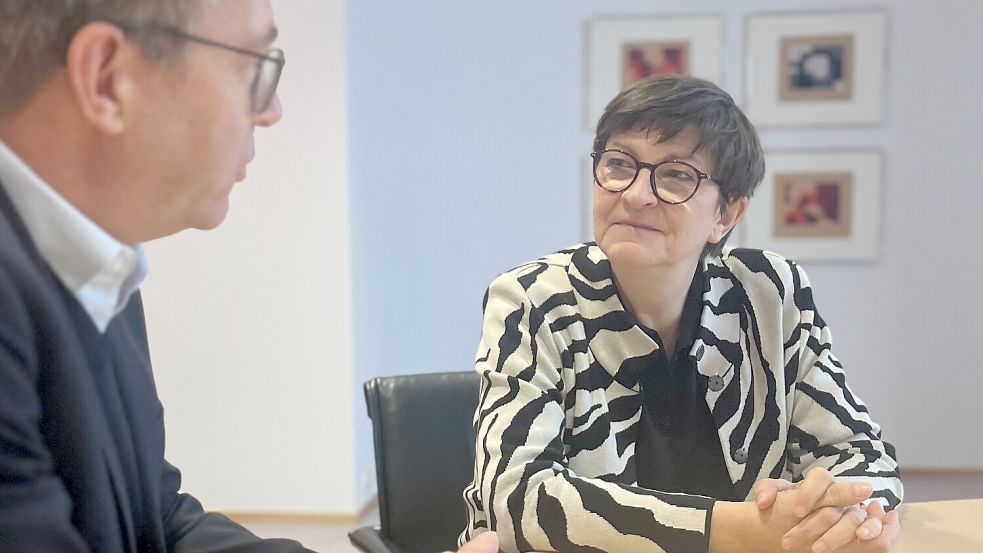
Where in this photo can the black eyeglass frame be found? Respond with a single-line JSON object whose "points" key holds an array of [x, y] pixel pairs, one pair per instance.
{"points": [[639, 165], [278, 58]]}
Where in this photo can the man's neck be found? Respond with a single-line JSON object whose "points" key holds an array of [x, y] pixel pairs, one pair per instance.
{"points": [[70, 162]]}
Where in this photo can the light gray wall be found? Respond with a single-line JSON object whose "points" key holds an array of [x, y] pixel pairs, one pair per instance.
{"points": [[466, 152], [250, 323]]}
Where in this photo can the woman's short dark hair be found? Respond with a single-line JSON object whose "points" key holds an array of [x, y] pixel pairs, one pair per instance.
{"points": [[667, 104]]}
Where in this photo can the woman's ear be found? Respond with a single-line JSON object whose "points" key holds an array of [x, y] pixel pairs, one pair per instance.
{"points": [[99, 64], [728, 218]]}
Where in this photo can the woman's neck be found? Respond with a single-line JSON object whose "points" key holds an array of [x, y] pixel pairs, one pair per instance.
{"points": [[656, 296]]}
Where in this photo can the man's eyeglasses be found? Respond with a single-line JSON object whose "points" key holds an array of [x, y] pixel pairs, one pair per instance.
{"points": [[673, 181], [269, 66]]}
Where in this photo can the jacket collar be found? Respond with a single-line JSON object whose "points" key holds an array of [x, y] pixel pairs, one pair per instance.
{"points": [[623, 348]]}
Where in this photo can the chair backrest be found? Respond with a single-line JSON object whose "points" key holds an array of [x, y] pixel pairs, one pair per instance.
{"points": [[424, 456]]}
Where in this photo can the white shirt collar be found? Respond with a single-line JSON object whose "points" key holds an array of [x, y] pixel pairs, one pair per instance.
{"points": [[99, 270]]}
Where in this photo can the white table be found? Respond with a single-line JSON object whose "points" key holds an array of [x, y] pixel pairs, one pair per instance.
{"points": [[941, 527]]}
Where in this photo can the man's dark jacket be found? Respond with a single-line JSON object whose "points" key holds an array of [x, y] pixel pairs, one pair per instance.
{"points": [[81, 428]]}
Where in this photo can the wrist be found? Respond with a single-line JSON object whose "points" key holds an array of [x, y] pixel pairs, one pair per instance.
{"points": [[730, 524], [741, 527]]}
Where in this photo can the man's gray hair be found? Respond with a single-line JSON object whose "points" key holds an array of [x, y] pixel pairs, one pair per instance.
{"points": [[35, 34]]}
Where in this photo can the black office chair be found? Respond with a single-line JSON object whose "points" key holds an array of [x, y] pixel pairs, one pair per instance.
{"points": [[424, 458]]}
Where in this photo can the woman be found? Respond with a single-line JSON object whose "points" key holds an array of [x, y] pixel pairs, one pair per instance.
{"points": [[637, 390]]}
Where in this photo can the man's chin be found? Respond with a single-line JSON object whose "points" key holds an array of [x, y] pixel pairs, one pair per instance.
{"points": [[213, 218]]}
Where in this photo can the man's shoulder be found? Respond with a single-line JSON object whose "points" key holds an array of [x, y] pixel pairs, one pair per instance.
{"points": [[16, 264], [29, 291]]}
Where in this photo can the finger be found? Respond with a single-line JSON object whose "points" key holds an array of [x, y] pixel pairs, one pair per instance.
{"points": [[872, 527], [766, 491], [811, 490], [875, 512], [875, 509], [841, 533], [812, 527], [486, 542], [892, 525], [844, 494]]}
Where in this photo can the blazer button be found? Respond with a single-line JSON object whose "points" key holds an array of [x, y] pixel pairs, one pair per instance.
{"points": [[699, 352], [740, 455], [716, 383]]}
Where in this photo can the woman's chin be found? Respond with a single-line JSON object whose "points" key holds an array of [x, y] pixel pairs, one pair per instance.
{"points": [[631, 254]]}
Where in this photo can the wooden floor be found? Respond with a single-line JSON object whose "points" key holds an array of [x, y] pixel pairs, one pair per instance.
{"points": [[920, 485], [323, 538]]}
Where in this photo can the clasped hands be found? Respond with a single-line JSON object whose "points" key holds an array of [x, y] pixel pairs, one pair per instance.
{"points": [[824, 516], [816, 515]]}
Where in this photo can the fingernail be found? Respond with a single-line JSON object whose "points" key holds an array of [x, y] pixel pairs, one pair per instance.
{"points": [[786, 543], [819, 547], [862, 489]]}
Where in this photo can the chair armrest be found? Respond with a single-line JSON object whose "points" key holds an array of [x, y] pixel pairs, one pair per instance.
{"points": [[369, 539]]}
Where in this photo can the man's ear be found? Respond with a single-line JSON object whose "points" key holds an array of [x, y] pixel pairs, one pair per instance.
{"points": [[100, 65], [728, 218]]}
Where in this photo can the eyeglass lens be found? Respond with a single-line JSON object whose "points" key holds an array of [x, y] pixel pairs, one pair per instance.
{"points": [[267, 78], [674, 182]]}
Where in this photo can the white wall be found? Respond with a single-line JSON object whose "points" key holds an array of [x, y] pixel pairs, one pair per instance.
{"points": [[249, 323], [467, 148], [253, 317]]}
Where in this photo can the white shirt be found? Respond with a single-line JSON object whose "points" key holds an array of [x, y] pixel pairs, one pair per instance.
{"points": [[99, 270]]}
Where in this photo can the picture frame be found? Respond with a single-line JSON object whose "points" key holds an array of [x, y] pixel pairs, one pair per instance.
{"points": [[587, 193], [815, 68], [621, 50], [817, 206]]}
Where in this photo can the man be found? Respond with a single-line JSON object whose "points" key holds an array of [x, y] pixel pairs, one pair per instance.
{"points": [[121, 121]]}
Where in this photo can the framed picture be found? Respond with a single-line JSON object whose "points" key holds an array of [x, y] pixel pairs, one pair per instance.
{"points": [[815, 68], [622, 51], [817, 205]]}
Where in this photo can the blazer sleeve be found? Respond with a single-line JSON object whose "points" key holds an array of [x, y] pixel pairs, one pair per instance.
{"points": [[35, 507], [189, 529], [523, 483], [830, 426]]}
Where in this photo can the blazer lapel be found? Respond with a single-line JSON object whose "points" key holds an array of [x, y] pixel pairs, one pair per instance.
{"points": [[616, 342], [719, 351]]}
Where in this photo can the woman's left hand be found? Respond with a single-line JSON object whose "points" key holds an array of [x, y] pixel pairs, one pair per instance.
{"points": [[831, 515], [857, 530]]}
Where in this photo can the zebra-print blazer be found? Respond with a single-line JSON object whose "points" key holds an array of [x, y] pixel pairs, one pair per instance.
{"points": [[560, 403]]}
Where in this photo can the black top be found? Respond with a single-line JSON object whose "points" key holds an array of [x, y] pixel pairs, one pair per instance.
{"points": [[678, 449]]}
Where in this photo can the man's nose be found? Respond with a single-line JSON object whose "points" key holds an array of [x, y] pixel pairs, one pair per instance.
{"points": [[272, 113]]}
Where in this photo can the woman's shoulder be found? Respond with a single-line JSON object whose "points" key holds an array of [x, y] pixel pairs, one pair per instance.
{"points": [[750, 265], [552, 270]]}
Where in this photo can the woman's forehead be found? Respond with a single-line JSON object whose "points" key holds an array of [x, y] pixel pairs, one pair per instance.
{"points": [[684, 144]]}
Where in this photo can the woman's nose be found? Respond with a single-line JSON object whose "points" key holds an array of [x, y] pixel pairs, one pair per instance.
{"points": [[641, 192]]}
